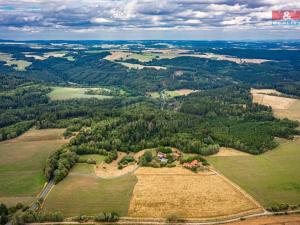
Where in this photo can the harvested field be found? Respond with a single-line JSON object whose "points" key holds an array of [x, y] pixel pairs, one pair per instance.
{"points": [[142, 57], [59, 54], [117, 55], [229, 152], [265, 91], [22, 162], [166, 191], [276, 102], [282, 107]]}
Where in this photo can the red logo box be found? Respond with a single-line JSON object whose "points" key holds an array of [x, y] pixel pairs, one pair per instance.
{"points": [[286, 15]]}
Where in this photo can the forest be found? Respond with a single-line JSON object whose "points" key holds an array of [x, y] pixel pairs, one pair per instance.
{"points": [[220, 114], [281, 73]]}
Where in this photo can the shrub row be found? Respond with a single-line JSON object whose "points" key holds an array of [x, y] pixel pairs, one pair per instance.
{"points": [[30, 216], [88, 161], [101, 217], [282, 207]]}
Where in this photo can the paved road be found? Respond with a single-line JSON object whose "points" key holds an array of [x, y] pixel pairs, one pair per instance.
{"points": [[43, 194]]}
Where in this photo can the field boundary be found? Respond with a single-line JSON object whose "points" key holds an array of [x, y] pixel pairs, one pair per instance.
{"points": [[237, 187], [163, 222]]}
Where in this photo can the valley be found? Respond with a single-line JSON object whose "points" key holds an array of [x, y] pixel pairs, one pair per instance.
{"points": [[149, 131]]}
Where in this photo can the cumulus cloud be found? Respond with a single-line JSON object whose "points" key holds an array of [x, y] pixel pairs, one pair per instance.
{"points": [[92, 15]]}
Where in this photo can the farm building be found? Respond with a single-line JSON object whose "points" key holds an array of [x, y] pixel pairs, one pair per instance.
{"points": [[161, 155], [192, 164]]}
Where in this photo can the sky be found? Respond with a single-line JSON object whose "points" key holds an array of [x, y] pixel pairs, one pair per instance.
{"points": [[144, 20]]}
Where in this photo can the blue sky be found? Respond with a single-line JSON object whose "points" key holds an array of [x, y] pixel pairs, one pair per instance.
{"points": [[144, 19]]}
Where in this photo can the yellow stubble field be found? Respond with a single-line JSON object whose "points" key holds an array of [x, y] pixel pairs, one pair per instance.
{"points": [[162, 192]]}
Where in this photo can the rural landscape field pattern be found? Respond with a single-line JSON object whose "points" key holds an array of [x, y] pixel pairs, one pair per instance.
{"points": [[149, 130]]}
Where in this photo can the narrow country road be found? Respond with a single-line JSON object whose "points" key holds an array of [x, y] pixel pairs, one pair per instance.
{"points": [[43, 193]]}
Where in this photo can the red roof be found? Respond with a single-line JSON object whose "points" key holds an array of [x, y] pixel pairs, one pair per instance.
{"points": [[194, 163]]}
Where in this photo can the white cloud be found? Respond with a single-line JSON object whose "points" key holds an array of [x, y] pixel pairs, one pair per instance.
{"points": [[91, 15], [100, 20], [239, 20]]}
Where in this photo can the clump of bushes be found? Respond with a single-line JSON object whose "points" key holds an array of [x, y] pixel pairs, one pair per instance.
{"points": [[3, 214], [173, 218], [106, 217], [146, 158], [281, 207], [59, 164], [210, 149], [101, 217], [113, 155], [67, 133], [82, 218], [164, 150], [125, 161], [30, 216]]}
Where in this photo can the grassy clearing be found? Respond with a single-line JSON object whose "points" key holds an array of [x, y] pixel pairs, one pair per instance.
{"points": [[162, 192], [98, 158], [22, 162], [88, 195], [19, 65], [64, 93], [140, 67], [82, 168], [272, 178], [172, 94]]}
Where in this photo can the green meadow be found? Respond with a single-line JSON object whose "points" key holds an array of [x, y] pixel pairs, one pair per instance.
{"points": [[271, 178]]}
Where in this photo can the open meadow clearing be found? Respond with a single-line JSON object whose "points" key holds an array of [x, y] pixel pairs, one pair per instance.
{"points": [[160, 193], [64, 93], [19, 65], [140, 67], [22, 162], [282, 107], [172, 94], [271, 178], [82, 193], [142, 57]]}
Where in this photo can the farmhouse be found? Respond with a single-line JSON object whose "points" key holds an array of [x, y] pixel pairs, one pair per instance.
{"points": [[161, 155], [192, 164]]}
